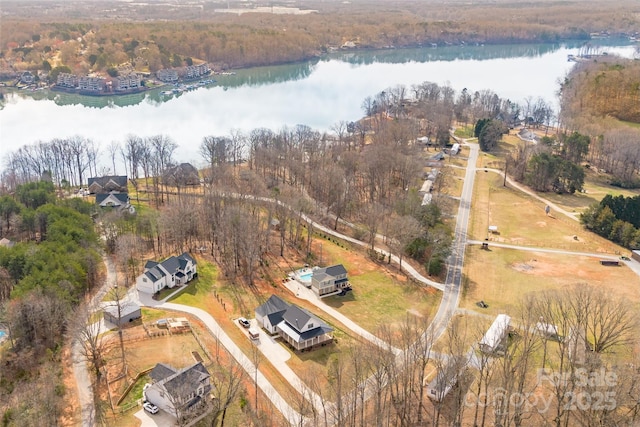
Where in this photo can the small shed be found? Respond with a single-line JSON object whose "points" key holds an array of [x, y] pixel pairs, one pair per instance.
{"points": [[129, 311], [493, 229], [455, 149]]}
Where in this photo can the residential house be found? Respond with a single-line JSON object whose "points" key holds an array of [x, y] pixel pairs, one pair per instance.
{"points": [[105, 184], [195, 71], [176, 270], [91, 84], [302, 330], [129, 311], [329, 280], [270, 314], [67, 80], [126, 82], [27, 77], [167, 75], [181, 175], [113, 199], [177, 391]]}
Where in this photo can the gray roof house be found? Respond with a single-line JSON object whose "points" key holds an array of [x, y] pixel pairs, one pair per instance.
{"points": [[302, 330], [269, 314], [177, 391], [329, 280], [175, 270], [114, 200], [105, 184], [181, 175]]}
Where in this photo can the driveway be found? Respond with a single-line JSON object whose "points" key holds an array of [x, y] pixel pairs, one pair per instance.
{"points": [[161, 419]]}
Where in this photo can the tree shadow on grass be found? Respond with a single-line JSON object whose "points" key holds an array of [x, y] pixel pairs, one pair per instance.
{"points": [[336, 301]]}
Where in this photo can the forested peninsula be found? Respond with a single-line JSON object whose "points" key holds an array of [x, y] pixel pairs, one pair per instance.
{"points": [[94, 36]]}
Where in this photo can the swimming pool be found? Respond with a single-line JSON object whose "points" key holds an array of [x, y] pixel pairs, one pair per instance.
{"points": [[305, 277], [2, 334]]}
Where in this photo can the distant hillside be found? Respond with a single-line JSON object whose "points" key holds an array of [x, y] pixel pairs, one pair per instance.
{"points": [[606, 86]]}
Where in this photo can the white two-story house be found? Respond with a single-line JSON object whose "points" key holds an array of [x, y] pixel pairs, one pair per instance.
{"points": [[174, 271], [303, 330], [329, 280]]}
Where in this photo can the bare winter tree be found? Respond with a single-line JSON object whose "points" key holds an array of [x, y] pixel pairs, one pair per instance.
{"points": [[402, 230], [87, 337], [226, 384]]}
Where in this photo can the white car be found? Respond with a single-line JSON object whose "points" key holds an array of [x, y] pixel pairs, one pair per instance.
{"points": [[244, 322], [150, 407]]}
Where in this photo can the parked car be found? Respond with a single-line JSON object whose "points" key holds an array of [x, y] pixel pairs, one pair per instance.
{"points": [[150, 407], [244, 322]]}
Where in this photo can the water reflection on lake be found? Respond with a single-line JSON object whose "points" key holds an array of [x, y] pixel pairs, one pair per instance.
{"points": [[317, 93]]}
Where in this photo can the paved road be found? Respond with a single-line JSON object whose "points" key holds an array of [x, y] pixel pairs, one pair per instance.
{"points": [[80, 369], [453, 282]]}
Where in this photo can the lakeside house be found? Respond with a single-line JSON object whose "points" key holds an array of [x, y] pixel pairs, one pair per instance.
{"points": [[67, 80], [167, 75], [92, 84], [196, 71], [127, 82]]}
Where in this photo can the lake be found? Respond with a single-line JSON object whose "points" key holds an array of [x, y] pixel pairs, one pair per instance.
{"points": [[316, 93]]}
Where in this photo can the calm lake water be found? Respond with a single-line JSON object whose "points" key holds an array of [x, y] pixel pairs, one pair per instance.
{"points": [[316, 93]]}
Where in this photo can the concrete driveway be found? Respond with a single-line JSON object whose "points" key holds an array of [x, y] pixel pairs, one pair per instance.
{"points": [[161, 419], [273, 350]]}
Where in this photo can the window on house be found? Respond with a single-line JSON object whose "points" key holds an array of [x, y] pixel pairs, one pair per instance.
{"points": [[310, 326]]}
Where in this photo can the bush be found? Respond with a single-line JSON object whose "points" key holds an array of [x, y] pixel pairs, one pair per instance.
{"points": [[435, 267]]}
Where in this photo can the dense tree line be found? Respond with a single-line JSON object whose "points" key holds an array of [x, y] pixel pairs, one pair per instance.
{"points": [[606, 87], [553, 164], [615, 218], [597, 96], [53, 264]]}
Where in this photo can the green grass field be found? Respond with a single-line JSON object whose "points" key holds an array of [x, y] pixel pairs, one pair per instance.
{"points": [[521, 220], [380, 295]]}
